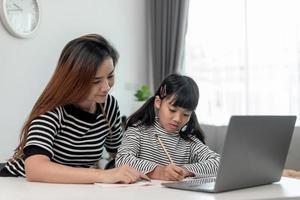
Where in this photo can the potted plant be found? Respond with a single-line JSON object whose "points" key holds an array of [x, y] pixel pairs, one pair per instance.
{"points": [[141, 95]]}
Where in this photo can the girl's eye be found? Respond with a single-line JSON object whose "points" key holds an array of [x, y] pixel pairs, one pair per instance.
{"points": [[172, 109], [187, 114]]}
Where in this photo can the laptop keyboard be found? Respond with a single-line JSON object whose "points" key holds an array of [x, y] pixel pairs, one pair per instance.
{"points": [[197, 181], [205, 184]]}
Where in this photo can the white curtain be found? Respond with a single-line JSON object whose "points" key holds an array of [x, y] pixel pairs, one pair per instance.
{"points": [[245, 56]]}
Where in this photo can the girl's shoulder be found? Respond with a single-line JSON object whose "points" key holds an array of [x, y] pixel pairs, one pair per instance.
{"points": [[195, 141], [139, 127]]}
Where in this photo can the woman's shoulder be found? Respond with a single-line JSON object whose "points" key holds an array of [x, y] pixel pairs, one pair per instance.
{"points": [[111, 107], [111, 99], [54, 115]]}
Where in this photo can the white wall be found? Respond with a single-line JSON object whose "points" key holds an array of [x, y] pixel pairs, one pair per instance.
{"points": [[27, 64]]}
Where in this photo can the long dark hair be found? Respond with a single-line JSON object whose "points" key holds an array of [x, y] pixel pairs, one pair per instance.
{"points": [[186, 93], [71, 81]]}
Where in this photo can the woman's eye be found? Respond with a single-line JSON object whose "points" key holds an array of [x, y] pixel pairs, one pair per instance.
{"points": [[111, 76]]}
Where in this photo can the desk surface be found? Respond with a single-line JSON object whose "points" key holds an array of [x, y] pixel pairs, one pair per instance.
{"points": [[20, 189]]}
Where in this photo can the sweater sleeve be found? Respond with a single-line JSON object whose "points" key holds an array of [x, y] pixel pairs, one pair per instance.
{"points": [[42, 131], [129, 152], [203, 161], [114, 138]]}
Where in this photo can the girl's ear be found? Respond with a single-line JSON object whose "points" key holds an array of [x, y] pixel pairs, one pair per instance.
{"points": [[157, 102]]}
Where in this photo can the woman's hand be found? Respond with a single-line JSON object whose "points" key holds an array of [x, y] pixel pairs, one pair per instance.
{"points": [[170, 172], [123, 174]]}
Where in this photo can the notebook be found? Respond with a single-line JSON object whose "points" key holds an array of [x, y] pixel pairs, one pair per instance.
{"points": [[254, 153]]}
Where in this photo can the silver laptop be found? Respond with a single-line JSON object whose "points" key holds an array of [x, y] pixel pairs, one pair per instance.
{"points": [[254, 153]]}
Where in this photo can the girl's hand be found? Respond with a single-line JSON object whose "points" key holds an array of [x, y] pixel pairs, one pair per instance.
{"points": [[291, 173], [123, 174], [170, 172], [187, 173]]}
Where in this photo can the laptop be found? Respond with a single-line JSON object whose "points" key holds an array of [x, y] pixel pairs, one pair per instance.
{"points": [[254, 153]]}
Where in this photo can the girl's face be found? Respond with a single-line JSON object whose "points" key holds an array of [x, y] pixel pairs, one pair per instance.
{"points": [[102, 82], [170, 117]]}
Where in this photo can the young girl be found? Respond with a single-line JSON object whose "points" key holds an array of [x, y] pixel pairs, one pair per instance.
{"points": [[163, 138], [73, 120]]}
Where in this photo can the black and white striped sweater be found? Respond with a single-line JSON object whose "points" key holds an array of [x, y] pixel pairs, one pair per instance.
{"points": [[72, 137], [141, 150]]}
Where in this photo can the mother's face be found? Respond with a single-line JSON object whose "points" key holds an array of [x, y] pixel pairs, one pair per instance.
{"points": [[102, 82]]}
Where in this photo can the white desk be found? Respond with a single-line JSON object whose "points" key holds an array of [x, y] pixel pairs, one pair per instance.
{"points": [[20, 189]]}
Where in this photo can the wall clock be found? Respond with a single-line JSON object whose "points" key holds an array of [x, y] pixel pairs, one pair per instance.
{"points": [[21, 18]]}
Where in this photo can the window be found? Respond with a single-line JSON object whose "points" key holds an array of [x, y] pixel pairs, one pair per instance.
{"points": [[244, 56]]}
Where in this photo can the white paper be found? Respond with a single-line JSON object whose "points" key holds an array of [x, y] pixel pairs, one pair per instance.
{"points": [[136, 184]]}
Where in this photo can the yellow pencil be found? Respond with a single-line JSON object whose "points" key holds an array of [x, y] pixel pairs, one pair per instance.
{"points": [[164, 149]]}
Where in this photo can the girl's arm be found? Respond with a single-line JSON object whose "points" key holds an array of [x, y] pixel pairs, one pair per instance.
{"points": [[204, 162], [129, 151], [39, 168], [291, 173], [170, 172]]}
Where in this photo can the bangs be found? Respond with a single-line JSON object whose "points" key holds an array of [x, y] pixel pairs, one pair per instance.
{"points": [[186, 98]]}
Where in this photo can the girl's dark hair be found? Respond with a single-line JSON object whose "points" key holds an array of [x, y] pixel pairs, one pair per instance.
{"points": [[186, 93]]}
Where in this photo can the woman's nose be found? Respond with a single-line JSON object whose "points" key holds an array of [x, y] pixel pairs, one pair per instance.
{"points": [[105, 87]]}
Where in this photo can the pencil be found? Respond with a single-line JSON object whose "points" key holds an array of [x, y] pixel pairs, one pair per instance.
{"points": [[164, 149]]}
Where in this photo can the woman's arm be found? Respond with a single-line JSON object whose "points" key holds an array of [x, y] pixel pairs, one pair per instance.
{"points": [[39, 168]]}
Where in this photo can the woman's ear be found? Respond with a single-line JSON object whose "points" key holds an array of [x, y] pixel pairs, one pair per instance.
{"points": [[157, 102]]}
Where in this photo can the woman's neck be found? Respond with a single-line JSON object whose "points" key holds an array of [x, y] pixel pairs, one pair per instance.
{"points": [[89, 107]]}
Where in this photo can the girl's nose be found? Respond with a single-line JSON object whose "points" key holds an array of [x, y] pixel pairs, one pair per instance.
{"points": [[177, 118]]}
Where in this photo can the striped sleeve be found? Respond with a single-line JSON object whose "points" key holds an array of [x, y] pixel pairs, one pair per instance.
{"points": [[42, 131], [204, 162], [114, 138], [16, 167], [129, 151]]}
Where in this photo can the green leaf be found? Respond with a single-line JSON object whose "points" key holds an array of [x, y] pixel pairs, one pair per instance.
{"points": [[143, 93]]}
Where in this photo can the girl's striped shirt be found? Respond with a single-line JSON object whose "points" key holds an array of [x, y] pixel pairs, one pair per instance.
{"points": [[141, 150]]}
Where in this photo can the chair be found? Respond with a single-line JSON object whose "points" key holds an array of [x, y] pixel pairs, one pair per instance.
{"points": [[110, 164]]}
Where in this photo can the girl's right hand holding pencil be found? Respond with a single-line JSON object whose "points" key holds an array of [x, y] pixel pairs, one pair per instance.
{"points": [[169, 172]]}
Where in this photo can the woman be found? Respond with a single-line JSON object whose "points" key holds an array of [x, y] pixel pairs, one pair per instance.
{"points": [[73, 119]]}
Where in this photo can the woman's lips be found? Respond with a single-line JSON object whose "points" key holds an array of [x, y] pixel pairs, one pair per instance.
{"points": [[102, 95]]}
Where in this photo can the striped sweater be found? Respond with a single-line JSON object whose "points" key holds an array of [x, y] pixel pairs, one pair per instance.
{"points": [[72, 137], [141, 150]]}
